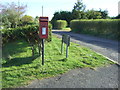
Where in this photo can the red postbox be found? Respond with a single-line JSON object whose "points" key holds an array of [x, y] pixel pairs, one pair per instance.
{"points": [[43, 27]]}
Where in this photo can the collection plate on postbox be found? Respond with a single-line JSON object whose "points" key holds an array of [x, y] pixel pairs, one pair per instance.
{"points": [[43, 27]]}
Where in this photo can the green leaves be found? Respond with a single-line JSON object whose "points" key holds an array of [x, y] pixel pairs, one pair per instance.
{"points": [[29, 33], [60, 24], [11, 14], [26, 19], [107, 28]]}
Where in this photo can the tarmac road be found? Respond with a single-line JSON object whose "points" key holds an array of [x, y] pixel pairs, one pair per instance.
{"points": [[106, 47], [103, 77]]}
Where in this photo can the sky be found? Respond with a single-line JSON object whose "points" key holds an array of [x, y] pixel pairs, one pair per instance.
{"points": [[34, 7]]}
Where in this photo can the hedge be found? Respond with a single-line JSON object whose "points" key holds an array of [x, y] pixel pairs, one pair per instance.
{"points": [[60, 24], [50, 32], [107, 28], [29, 33]]}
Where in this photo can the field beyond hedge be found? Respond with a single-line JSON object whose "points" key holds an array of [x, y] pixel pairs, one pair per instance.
{"points": [[107, 28], [19, 67]]}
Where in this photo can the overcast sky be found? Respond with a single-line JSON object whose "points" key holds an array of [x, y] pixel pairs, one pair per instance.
{"points": [[34, 7]]}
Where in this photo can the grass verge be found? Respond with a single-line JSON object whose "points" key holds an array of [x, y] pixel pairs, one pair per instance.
{"points": [[19, 67], [68, 29]]}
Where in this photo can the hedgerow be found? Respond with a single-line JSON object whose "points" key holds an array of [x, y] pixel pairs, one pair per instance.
{"points": [[29, 33], [60, 24], [107, 28]]}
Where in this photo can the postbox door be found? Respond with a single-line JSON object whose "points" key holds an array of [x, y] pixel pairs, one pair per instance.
{"points": [[43, 30], [43, 27]]}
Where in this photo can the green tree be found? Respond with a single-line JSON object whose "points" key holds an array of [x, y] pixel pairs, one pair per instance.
{"points": [[92, 14], [79, 6], [36, 20], [104, 14], [62, 15], [11, 14], [26, 20], [78, 10]]}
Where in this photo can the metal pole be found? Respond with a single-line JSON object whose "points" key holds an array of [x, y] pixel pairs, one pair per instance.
{"points": [[42, 51], [18, 13], [42, 10]]}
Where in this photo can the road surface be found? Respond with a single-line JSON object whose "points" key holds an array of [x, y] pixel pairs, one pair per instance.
{"points": [[106, 47]]}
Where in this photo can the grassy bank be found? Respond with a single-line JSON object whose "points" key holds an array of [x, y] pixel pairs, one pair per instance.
{"points": [[19, 67]]}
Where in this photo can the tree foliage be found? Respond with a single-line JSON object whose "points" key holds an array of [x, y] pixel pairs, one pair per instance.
{"points": [[62, 15], [36, 20], [104, 14], [79, 6], [11, 14], [25, 20], [117, 17], [92, 14], [79, 12]]}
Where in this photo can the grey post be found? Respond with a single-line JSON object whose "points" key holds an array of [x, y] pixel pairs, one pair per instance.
{"points": [[66, 40], [62, 46], [66, 51]]}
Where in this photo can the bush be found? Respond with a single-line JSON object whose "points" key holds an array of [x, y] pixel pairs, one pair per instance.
{"points": [[107, 28], [29, 33], [60, 24], [50, 32]]}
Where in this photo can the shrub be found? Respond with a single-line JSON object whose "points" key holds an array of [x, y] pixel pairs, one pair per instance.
{"points": [[107, 28], [29, 33], [50, 32], [60, 24]]}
